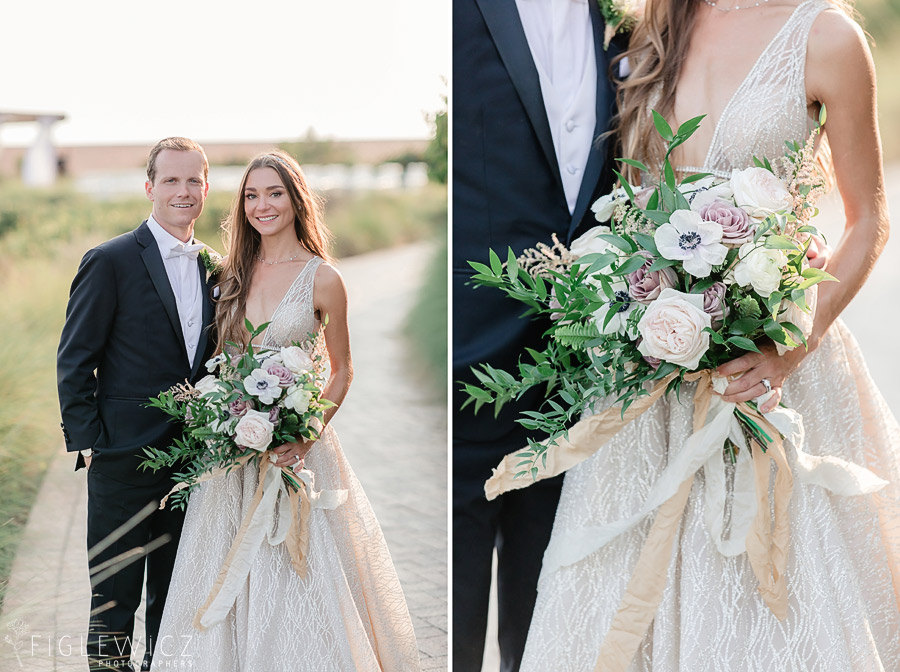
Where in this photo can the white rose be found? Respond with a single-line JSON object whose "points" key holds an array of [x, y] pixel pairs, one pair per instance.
{"points": [[590, 242], [296, 360], [759, 192], [760, 267], [298, 399], [604, 207], [254, 430], [207, 385], [672, 329]]}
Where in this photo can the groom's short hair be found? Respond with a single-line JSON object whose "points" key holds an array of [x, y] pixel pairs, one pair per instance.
{"points": [[179, 144]]}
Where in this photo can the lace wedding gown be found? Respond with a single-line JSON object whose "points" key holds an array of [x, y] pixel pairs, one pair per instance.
{"points": [[348, 615], [843, 572]]}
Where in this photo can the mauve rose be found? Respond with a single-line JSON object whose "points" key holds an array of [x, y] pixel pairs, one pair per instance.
{"points": [[644, 285], [714, 304], [240, 407], [642, 197], [284, 375], [273, 415], [737, 228]]}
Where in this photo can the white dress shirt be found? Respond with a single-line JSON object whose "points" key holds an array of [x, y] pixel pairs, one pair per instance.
{"points": [[184, 278], [561, 40]]}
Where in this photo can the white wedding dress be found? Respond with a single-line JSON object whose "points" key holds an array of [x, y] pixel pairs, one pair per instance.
{"points": [[843, 572], [348, 615]]}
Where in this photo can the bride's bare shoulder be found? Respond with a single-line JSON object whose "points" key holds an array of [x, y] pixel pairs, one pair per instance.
{"points": [[837, 52]]}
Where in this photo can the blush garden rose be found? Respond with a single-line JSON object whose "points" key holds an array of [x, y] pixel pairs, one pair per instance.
{"points": [[673, 329]]}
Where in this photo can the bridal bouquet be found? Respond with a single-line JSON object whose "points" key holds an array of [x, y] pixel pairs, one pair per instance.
{"points": [[684, 277], [249, 402], [677, 278]]}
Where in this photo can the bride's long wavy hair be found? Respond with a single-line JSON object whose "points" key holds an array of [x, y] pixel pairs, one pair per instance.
{"points": [[242, 242], [656, 53]]}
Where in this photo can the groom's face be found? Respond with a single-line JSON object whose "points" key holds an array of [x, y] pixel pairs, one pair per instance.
{"points": [[178, 191]]}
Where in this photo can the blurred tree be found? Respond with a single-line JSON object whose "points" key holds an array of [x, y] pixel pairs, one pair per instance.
{"points": [[314, 150], [436, 152]]}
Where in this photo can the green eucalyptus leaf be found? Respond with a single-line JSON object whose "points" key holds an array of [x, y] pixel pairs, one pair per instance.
{"points": [[743, 343], [662, 127]]}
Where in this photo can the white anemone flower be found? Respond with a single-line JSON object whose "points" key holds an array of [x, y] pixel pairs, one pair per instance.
{"points": [[690, 240], [264, 385], [622, 304], [604, 206]]}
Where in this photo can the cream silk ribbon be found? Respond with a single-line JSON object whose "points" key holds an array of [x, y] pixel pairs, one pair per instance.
{"points": [[765, 540], [277, 514]]}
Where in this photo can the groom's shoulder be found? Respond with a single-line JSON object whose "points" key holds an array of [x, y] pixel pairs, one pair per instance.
{"points": [[120, 245]]}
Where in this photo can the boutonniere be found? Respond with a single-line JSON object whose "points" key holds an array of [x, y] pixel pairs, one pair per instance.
{"points": [[620, 16], [212, 261]]}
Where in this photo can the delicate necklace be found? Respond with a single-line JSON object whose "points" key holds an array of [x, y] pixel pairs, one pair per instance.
{"points": [[282, 261], [715, 5]]}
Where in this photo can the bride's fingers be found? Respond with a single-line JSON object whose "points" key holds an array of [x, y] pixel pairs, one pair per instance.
{"points": [[747, 393], [288, 459], [284, 447], [769, 404], [740, 365]]}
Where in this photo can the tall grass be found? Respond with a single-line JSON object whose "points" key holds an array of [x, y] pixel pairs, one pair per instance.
{"points": [[426, 325], [32, 303], [43, 235]]}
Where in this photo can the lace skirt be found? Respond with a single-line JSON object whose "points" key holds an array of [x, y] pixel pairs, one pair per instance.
{"points": [[843, 573], [349, 613]]}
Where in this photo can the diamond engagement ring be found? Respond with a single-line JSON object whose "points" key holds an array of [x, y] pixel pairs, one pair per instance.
{"points": [[766, 384], [297, 457]]}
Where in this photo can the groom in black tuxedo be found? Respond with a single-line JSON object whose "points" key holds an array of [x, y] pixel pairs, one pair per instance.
{"points": [[531, 97], [138, 322]]}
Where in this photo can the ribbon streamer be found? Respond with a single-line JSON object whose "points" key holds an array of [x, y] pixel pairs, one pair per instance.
{"points": [[278, 514], [765, 541]]}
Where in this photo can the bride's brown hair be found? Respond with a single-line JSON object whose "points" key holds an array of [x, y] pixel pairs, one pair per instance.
{"points": [[242, 242], [655, 54]]}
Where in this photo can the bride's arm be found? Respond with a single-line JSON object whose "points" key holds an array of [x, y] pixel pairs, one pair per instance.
{"points": [[839, 74], [331, 301], [330, 298]]}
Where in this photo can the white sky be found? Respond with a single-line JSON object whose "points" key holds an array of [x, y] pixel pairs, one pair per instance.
{"points": [[126, 72]]}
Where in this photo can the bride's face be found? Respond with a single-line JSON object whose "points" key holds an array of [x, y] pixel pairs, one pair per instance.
{"points": [[266, 202]]}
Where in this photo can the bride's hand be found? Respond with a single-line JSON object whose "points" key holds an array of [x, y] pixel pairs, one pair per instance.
{"points": [[819, 252], [753, 368], [289, 452]]}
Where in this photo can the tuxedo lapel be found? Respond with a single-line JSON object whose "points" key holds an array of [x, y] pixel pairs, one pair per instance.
{"points": [[505, 26], [157, 272], [596, 158], [208, 314]]}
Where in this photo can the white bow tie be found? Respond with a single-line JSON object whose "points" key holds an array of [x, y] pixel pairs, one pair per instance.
{"points": [[182, 250]]}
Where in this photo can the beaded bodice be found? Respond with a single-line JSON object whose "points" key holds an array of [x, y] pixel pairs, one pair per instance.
{"points": [[769, 107]]}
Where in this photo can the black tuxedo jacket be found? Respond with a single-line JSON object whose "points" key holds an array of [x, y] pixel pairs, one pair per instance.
{"points": [[122, 323], [507, 192]]}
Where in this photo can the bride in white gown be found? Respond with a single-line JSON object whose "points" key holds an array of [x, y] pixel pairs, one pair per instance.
{"points": [[759, 72], [349, 613]]}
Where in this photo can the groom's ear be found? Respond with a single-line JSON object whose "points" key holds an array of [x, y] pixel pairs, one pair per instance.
{"points": [[148, 189]]}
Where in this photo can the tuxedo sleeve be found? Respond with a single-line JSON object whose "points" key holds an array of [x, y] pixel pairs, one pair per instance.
{"points": [[89, 319]]}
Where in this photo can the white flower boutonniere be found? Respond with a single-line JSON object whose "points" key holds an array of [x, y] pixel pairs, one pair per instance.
{"points": [[212, 261], [620, 16]]}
